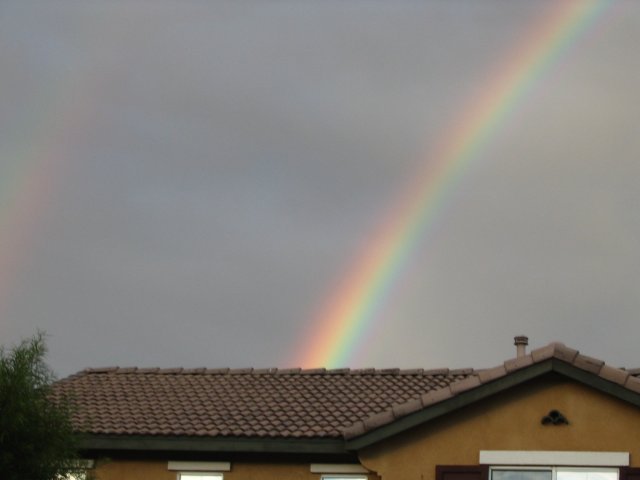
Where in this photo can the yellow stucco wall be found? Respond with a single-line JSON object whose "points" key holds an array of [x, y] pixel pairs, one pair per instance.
{"points": [[512, 421], [157, 470]]}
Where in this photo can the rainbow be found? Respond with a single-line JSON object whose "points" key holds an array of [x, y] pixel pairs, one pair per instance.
{"points": [[342, 322], [34, 167], [31, 171]]}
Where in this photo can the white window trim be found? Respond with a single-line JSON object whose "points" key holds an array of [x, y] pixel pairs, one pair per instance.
{"points": [[343, 477], [182, 475], [212, 467], [553, 470], [554, 458], [338, 468]]}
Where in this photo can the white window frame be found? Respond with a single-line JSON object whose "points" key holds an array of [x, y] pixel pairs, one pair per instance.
{"points": [[199, 475], [333, 476], [196, 470], [554, 461], [553, 469], [554, 458]]}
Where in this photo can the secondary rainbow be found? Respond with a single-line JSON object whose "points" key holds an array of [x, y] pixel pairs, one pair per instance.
{"points": [[351, 309], [34, 166]]}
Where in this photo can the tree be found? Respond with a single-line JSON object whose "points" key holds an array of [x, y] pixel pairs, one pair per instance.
{"points": [[36, 437]]}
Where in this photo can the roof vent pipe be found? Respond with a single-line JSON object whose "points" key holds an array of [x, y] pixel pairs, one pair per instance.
{"points": [[521, 342]]}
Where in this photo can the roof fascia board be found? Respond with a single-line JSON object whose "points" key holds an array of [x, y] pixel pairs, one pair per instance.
{"points": [[597, 382], [201, 444], [510, 380]]}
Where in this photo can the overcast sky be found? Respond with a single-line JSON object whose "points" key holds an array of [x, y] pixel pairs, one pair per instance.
{"points": [[182, 183]]}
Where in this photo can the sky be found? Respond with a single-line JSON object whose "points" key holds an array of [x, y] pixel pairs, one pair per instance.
{"points": [[188, 183]]}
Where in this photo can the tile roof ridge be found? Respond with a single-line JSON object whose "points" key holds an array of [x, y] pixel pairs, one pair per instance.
{"points": [[595, 366], [99, 370], [276, 371], [377, 371], [555, 350], [138, 370], [559, 351]]}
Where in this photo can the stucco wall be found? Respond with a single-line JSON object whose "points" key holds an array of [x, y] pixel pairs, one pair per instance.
{"points": [[511, 421], [157, 470]]}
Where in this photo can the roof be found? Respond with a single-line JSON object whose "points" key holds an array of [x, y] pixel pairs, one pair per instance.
{"points": [[350, 408], [290, 403]]}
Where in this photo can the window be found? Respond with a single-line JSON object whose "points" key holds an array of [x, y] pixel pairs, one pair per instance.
{"points": [[343, 477], [199, 476], [198, 470], [543, 465], [520, 474], [553, 473]]}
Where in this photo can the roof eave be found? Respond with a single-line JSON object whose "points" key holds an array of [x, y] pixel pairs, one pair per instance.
{"points": [[489, 389], [139, 443]]}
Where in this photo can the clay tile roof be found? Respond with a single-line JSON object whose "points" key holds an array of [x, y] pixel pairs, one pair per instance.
{"points": [[244, 402], [295, 403]]}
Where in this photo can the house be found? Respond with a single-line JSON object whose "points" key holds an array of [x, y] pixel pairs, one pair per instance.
{"points": [[552, 414]]}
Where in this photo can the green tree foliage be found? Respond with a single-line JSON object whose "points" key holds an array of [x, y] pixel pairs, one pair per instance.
{"points": [[36, 438]]}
